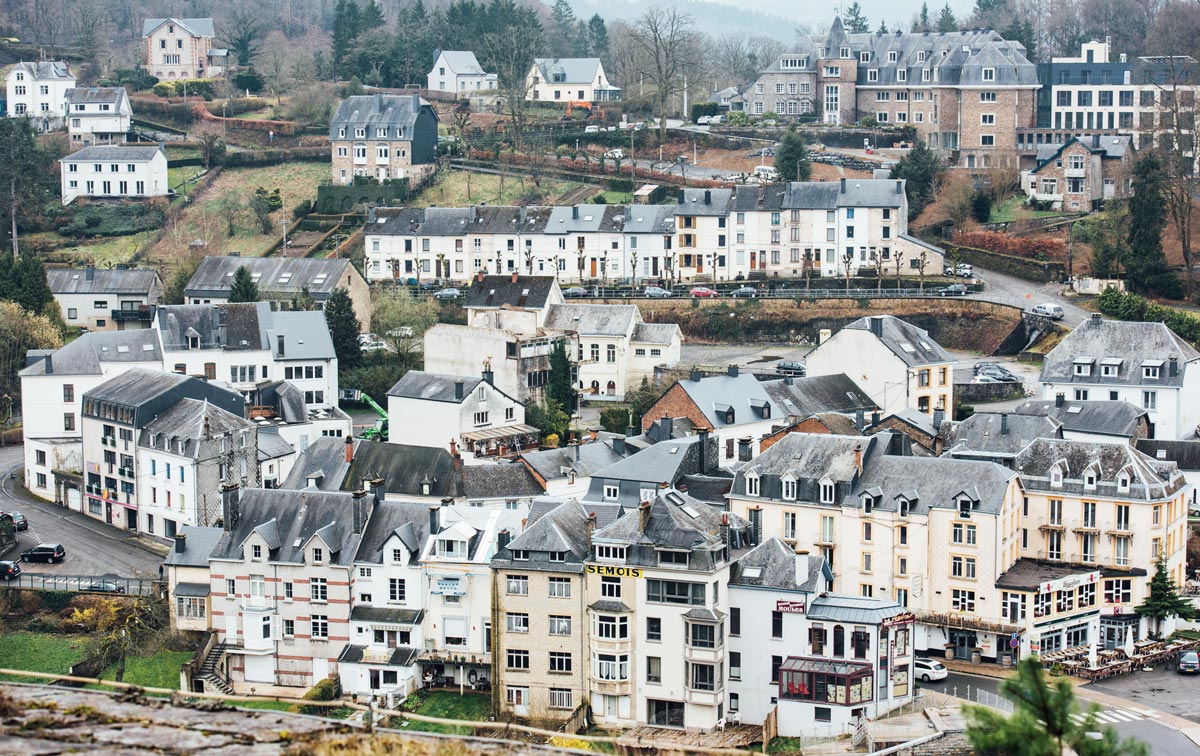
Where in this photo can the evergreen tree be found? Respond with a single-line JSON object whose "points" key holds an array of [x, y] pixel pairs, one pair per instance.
{"points": [[25, 176], [243, 289], [345, 29], [343, 329], [304, 301], [922, 22], [597, 32], [371, 17], [791, 157], [560, 388], [883, 28], [1164, 600], [1022, 31], [855, 22], [946, 21], [562, 29], [920, 169], [1146, 264], [31, 290]]}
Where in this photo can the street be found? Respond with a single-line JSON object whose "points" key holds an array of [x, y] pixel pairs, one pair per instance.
{"points": [[93, 548], [1010, 290]]}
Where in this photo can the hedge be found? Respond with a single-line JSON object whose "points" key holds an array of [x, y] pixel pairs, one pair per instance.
{"points": [[1126, 306], [110, 220], [1021, 267], [276, 157], [236, 106]]}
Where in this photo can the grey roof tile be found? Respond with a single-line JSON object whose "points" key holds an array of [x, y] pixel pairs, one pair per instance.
{"points": [[110, 152], [276, 275], [593, 319], [103, 281], [1133, 343], [86, 354], [296, 517], [526, 292], [813, 395], [198, 546], [1150, 478], [434, 387], [197, 27], [775, 565], [1108, 418], [374, 111]]}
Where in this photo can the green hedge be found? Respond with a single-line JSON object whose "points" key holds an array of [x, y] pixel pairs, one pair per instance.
{"points": [[1125, 306], [1030, 270], [275, 157], [110, 220]]}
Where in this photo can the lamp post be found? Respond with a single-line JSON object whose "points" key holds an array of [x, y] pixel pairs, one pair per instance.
{"points": [[284, 224], [682, 160]]}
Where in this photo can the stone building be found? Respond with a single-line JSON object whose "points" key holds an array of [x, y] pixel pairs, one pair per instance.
{"points": [[383, 136]]}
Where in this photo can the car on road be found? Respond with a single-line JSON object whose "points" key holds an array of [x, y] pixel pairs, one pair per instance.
{"points": [[104, 586], [792, 367], [1194, 509], [615, 154], [744, 291], [9, 570], [703, 292], [716, 120], [575, 291], [19, 520], [44, 552], [1049, 310], [1189, 663], [929, 669], [657, 292], [369, 342], [953, 290], [703, 120], [447, 294], [962, 270], [593, 129]]}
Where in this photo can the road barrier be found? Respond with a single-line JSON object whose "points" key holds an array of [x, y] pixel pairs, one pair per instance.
{"points": [[101, 584]]}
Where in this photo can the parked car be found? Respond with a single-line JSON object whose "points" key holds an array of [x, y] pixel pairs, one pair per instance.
{"points": [[9, 570], [986, 379], [447, 294], [770, 122], [1049, 310], [716, 120], [615, 154], [575, 291], [792, 367], [45, 552], [953, 290], [703, 120], [744, 291], [18, 520], [1189, 663], [703, 292], [962, 270], [929, 669], [657, 292], [593, 129], [766, 172], [369, 342], [1194, 509], [104, 586], [999, 374]]}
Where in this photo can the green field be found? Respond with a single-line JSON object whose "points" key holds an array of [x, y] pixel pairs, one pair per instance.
{"points": [[463, 189], [1014, 208], [158, 671], [41, 652], [445, 704]]}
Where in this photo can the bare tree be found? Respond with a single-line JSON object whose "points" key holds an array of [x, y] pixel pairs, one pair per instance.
{"points": [[671, 49], [89, 26], [1176, 143], [209, 137], [511, 48], [877, 261], [899, 258]]}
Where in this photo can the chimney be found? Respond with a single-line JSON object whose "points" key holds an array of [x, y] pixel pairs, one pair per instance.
{"points": [[899, 186], [360, 509], [843, 190], [1096, 319], [859, 420], [668, 425], [703, 434], [455, 456], [696, 375], [479, 276], [708, 196], [514, 276], [349, 449], [434, 520], [939, 417], [876, 324], [732, 371], [502, 539], [681, 197], [618, 446], [1003, 423], [594, 433], [377, 489], [644, 515], [858, 457], [875, 417], [744, 449], [281, 349], [591, 528], [229, 506], [1059, 398], [824, 335], [574, 212], [458, 389], [180, 543], [631, 431], [576, 446], [49, 362], [90, 273], [725, 528], [789, 381], [488, 376], [1173, 370]]}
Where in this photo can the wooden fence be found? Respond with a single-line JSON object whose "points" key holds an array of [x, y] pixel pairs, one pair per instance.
{"points": [[770, 727]]}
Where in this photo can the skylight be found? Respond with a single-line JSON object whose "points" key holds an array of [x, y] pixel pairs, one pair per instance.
{"points": [[907, 347], [122, 349], [320, 278], [752, 572], [1074, 409], [690, 512]]}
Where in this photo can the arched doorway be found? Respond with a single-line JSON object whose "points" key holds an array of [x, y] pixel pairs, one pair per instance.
{"points": [[612, 388]]}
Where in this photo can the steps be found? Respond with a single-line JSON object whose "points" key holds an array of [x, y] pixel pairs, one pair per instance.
{"points": [[208, 670]]}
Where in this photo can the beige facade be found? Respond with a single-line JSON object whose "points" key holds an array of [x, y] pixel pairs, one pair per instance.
{"points": [[181, 48], [1083, 173]]}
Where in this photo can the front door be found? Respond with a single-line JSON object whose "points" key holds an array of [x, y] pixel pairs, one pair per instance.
{"points": [[374, 679], [610, 707], [963, 643], [131, 519], [593, 267]]}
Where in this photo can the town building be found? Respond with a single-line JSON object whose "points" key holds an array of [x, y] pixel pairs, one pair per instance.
{"points": [[434, 409], [114, 415], [98, 115], [1091, 420], [962, 91], [616, 348], [1185, 454], [105, 299], [665, 464], [569, 80], [114, 172], [896, 363], [38, 91], [188, 578], [457, 72], [53, 384], [182, 48], [185, 456], [275, 457], [1145, 364], [383, 136], [567, 470], [1081, 173], [701, 235], [800, 398], [407, 473], [282, 282]]}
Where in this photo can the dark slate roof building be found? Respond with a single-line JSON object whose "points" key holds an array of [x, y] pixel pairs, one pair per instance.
{"points": [[798, 398], [187, 424], [405, 470], [87, 354], [996, 436], [276, 277], [675, 521], [911, 344], [388, 118], [139, 396], [1081, 467], [773, 565], [515, 291], [194, 549], [1119, 353], [288, 520], [133, 281], [1116, 419]]}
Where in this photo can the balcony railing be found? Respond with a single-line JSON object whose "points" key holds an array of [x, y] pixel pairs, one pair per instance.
{"points": [[108, 441], [1118, 528], [140, 315], [1085, 526], [126, 472]]}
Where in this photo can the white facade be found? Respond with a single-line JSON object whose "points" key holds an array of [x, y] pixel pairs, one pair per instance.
{"points": [[462, 405], [98, 116], [459, 73], [38, 91], [114, 173], [565, 80]]}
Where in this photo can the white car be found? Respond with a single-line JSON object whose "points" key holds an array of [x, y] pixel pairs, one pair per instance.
{"points": [[703, 120], [615, 154], [929, 669], [593, 129], [963, 270], [1050, 310]]}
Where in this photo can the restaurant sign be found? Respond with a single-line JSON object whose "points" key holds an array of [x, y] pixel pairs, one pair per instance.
{"points": [[610, 571], [905, 618], [448, 587], [1069, 583], [790, 607]]}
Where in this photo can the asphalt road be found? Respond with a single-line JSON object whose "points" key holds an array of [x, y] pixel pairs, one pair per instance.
{"points": [[1010, 290], [93, 548]]}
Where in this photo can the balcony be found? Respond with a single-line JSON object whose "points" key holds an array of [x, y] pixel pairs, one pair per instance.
{"points": [[1052, 526], [1050, 556], [706, 655], [125, 472], [611, 645], [1120, 528], [143, 314], [965, 622], [1074, 172], [705, 697], [612, 687], [1085, 526]]}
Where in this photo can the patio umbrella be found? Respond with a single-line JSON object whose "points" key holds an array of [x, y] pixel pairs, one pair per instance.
{"points": [[1129, 642], [1092, 654]]}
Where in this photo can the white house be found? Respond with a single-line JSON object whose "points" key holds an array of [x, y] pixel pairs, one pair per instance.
{"points": [[434, 409], [38, 91], [1145, 364], [112, 172], [457, 72], [182, 48], [98, 115], [105, 299], [616, 348], [897, 364], [569, 80]]}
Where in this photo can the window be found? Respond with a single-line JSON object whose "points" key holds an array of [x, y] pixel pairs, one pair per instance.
{"points": [[516, 695], [827, 492], [987, 140], [789, 522], [560, 625], [611, 492], [610, 587], [517, 659], [776, 624], [319, 589], [989, 74], [735, 620], [518, 585], [560, 698], [674, 592], [653, 629], [320, 626], [610, 627], [653, 669], [560, 587], [189, 607], [256, 551], [752, 485], [69, 421], [318, 554], [702, 677], [396, 590], [962, 601], [1150, 400], [610, 667], [518, 623]]}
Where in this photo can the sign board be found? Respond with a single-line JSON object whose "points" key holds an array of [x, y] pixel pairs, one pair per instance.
{"points": [[790, 607], [1070, 582], [906, 618], [611, 571], [1014, 643], [448, 587]]}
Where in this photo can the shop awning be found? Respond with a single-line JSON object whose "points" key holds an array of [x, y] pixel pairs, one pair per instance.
{"points": [[504, 431]]}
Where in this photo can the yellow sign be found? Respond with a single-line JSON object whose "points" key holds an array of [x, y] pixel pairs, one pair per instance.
{"points": [[607, 571]]}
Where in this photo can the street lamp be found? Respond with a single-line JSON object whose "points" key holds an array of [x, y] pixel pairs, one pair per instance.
{"points": [[682, 160], [284, 224]]}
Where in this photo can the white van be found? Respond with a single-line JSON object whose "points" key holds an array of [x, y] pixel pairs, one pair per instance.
{"points": [[1050, 310], [766, 172]]}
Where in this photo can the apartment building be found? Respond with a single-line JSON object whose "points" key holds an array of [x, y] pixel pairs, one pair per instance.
{"points": [[383, 136], [38, 91], [114, 172], [98, 115], [182, 48], [1081, 173], [896, 363], [1145, 364], [616, 349], [114, 413], [105, 299]]}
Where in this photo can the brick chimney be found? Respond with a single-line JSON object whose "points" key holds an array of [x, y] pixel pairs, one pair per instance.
{"points": [[858, 456], [349, 449], [180, 543], [644, 515], [591, 528], [514, 276], [229, 506]]}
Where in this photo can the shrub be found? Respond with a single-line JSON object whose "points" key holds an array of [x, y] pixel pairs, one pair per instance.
{"points": [[599, 199], [303, 208], [110, 220], [620, 185], [1020, 246], [981, 206], [325, 690], [615, 419], [1125, 306]]}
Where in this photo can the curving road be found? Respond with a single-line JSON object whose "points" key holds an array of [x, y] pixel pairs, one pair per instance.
{"points": [[1010, 290]]}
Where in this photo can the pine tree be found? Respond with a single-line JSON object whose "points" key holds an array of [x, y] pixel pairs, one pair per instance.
{"points": [[855, 21], [1146, 264], [919, 169], [922, 24], [791, 158], [597, 37], [343, 329], [346, 18], [562, 22], [31, 290], [883, 27], [560, 388], [371, 17], [946, 21], [1164, 600], [243, 289]]}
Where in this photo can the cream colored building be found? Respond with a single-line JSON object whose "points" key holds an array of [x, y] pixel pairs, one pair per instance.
{"points": [[566, 80], [182, 48]]}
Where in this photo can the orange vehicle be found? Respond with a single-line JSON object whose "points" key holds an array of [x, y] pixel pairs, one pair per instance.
{"points": [[593, 111]]}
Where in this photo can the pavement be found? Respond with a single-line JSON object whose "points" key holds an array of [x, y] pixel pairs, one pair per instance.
{"points": [[1010, 290], [93, 548]]}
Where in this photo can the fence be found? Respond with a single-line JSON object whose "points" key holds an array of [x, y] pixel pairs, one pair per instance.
{"points": [[111, 585], [600, 292]]}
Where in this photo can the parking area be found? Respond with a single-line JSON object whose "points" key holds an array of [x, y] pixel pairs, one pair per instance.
{"points": [[1161, 688]]}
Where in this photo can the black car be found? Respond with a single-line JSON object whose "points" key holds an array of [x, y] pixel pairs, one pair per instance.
{"points": [[575, 291], [791, 367], [953, 290], [9, 570], [744, 291], [44, 552]]}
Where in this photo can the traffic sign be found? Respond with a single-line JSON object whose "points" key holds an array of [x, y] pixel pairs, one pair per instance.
{"points": [[1013, 643]]}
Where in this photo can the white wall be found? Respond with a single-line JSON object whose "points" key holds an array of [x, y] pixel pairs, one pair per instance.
{"points": [[52, 105], [871, 365], [139, 179]]}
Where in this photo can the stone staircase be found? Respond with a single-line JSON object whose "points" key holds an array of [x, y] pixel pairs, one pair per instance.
{"points": [[208, 671]]}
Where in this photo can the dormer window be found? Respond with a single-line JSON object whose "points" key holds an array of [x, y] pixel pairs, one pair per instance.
{"points": [[864, 57], [673, 558], [1151, 372], [360, 133], [989, 74], [256, 551], [453, 549], [1056, 477], [318, 555], [193, 342], [518, 555], [868, 504], [752, 484], [1083, 367], [342, 132], [558, 556], [827, 491], [903, 507], [892, 56], [611, 492], [1123, 482], [845, 52], [789, 489], [964, 508], [1089, 480]]}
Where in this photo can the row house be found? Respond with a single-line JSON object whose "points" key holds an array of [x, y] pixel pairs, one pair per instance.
{"points": [[105, 299], [1081, 173], [964, 91], [384, 137]]}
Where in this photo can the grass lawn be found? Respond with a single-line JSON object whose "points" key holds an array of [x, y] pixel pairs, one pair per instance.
{"points": [[1014, 208], [158, 671], [785, 745], [617, 198], [451, 190], [446, 704], [41, 652]]}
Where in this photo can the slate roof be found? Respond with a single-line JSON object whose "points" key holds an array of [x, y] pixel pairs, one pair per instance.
{"points": [[527, 292], [649, 219], [274, 275], [812, 395], [434, 387], [744, 393], [593, 319], [818, 195], [510, 480], [86, 354], [44, 70], [552, 464], [1150, 478], [658, 463], [719, 201], [837, 607], [676, 521], [272, 446], [562, 529], [1106, 418], [981, 434], [1186, 454], [97, 96], [367, 613], [572, 70], [500, 219], [1108, 147], [463, 63], [1132, 342], [391, 111], [708, 488], [102, 281], [197, 546], [656, 333], [911, 344], [291, 519], [189, 421], [409, 520], [110, 152], [402, 467], [246, 326], [776, 566], [811, 456], [932, 482], [151, 392], [197, 27], [1029, 574]]}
